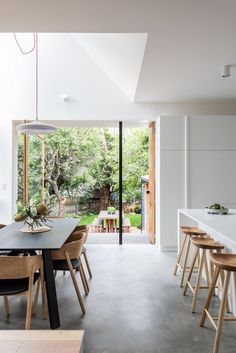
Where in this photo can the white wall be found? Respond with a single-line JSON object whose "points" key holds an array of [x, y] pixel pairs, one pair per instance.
{"points": [[197, 167], [7, 162]]}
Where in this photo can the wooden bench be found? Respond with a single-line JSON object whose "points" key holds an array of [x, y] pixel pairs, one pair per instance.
{"points": [[96, 226], [126, 225], [38, 341]]}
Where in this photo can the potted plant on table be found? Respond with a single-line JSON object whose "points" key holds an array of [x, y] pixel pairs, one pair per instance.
{"points": [[111, 210], [34, 216], [217, 209]]}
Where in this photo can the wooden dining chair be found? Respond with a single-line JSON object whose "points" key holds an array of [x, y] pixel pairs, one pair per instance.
{"points": [[3, 253], [76, 235], [18, 274], [85, 229], [67, 258]]}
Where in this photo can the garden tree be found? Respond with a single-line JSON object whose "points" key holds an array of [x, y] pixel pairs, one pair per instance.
{"points": [[34, 167], [104, 170], [20, 167], [135, 161], [80, 161], [69, 153]]}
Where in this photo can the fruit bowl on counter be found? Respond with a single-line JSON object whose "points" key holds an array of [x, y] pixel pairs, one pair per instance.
{"points": [[217, 209]]}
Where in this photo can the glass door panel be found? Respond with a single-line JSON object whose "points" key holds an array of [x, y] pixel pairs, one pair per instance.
{"points": [[135, 177]]}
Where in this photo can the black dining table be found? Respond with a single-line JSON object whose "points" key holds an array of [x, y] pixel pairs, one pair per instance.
{"points": [[11, 238]]}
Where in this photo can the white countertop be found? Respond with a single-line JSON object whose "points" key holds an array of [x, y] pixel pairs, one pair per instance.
{"points": [[225, 225]]}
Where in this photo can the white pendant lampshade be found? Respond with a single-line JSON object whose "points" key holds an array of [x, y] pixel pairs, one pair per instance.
{"points": [[35, 127]]}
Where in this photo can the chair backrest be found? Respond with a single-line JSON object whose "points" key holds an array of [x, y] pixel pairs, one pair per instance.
{"points": [[73, 248], [13, 267], [79, 229]]}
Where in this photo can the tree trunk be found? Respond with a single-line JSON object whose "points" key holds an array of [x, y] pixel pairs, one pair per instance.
{"points": [[105, 195], [58, 195]]}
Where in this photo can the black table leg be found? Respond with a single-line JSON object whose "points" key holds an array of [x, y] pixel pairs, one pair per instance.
{"points": [[51, 290]]}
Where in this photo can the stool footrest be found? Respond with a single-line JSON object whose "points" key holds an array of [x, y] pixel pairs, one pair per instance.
{"points": [[187, 269], [211, 319], [226, 318], [215, 318], [192, 288]]}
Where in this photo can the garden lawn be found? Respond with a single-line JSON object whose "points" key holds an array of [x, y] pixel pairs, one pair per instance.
{"points": [[87, 219], [135, 219]]}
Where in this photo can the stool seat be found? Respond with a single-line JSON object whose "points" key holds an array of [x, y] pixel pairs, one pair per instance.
{"points": [[206, 243], [184, 249], [224, 261], [192, 231]]}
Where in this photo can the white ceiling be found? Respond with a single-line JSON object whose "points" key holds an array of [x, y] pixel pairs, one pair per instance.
{"points": [[188, 41], [119, 55]]}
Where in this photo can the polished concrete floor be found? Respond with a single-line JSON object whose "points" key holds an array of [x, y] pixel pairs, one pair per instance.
{"points": [[135, 305], [113, 238]]}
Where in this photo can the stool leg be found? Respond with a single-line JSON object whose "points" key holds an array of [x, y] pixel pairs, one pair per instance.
{"points": [[199, 277], [191, 270], [221, 313], [185, 262], [222, 277], [209, 295], [180, 255], [206, 271], [211, 267]]}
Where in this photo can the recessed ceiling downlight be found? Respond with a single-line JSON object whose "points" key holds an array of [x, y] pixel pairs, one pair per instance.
{"points": [[225, 71]]}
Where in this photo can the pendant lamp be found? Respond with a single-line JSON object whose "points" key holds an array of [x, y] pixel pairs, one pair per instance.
{"points": [[35, 127]]}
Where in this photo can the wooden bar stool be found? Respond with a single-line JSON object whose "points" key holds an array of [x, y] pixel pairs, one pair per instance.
{"points": [[188, 233], [222, 262], [204, 244]]}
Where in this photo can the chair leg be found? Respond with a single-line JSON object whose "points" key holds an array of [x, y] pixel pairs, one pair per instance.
{"points": [[29, 303], [209, 295], [221, 313], [83, 279], [199, 277], [87, 265], [180, 255], [7, 307], [185, 262], [36, 296], [191, 270], [75, 283]]}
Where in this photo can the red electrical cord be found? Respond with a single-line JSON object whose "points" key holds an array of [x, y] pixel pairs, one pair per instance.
{"points": [[35, 47]]}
